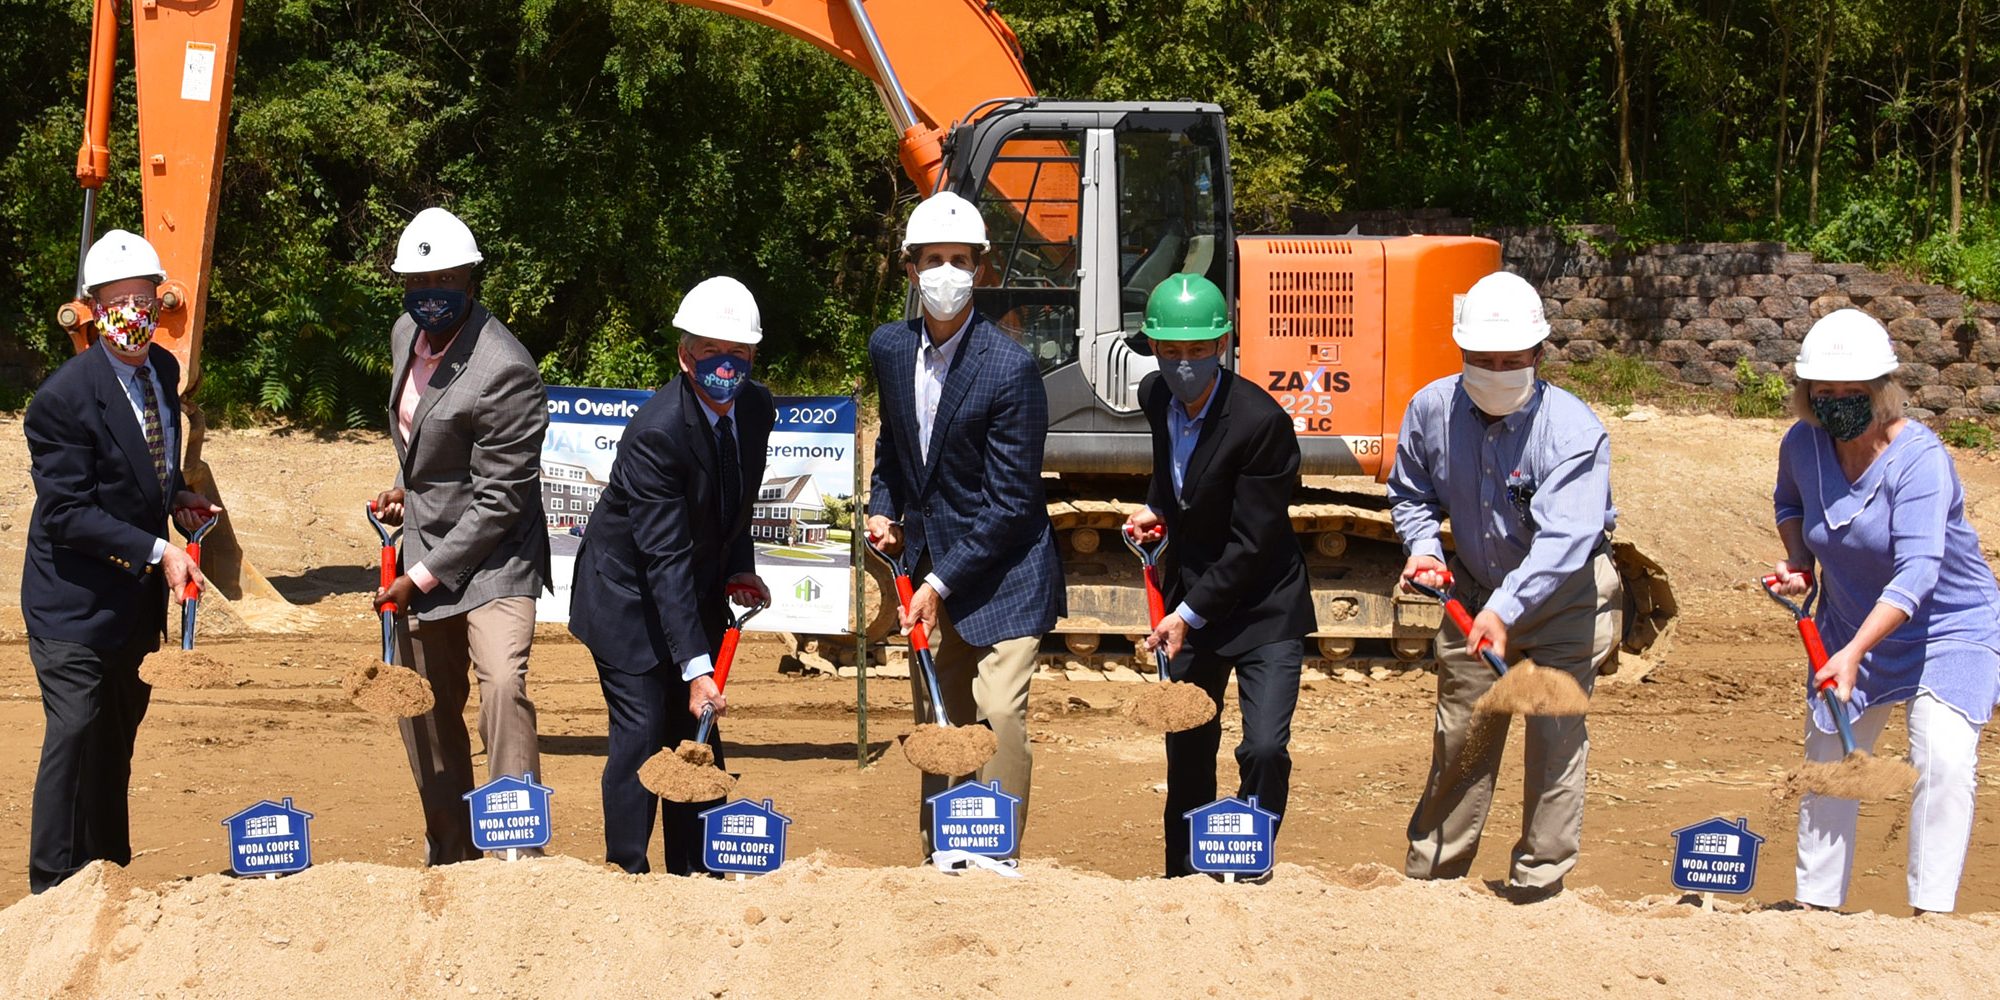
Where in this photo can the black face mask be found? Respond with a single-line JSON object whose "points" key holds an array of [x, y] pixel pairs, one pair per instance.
{"points": [[1844, 417], [436, 309]]}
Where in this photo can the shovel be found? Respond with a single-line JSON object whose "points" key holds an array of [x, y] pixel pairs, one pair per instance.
{"points": [[380, 686], [1170, 706], [688, 772], [1858, 774], [1527, 689], [940, 748], [183, 667]]}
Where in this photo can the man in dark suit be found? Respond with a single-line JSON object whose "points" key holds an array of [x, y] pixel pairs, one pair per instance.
{"points": [[668, 539], [1225, 464], [467, 412], [104, 439], [957, 482]]}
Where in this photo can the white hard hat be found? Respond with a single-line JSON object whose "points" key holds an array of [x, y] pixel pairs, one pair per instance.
{"points": [[1846, 345], [945, 218], [1501, 312], [720, 308], [435, 241], [119, 254]]}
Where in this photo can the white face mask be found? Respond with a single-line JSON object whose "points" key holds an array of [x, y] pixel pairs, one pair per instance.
{"points": [[945, 290], [1498, 393]]}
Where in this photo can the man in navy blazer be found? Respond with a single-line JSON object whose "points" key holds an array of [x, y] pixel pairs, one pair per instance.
{"points": [[957, 484], [668, 538], [104, 441]]}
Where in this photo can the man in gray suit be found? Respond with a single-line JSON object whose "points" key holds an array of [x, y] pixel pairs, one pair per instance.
{"points": [[467, 410]]}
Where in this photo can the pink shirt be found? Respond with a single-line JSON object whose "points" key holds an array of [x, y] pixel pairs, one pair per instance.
{"points": [[423, 364]]}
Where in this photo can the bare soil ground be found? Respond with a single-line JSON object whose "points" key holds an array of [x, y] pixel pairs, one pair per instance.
{"points": [[1712, 727]]}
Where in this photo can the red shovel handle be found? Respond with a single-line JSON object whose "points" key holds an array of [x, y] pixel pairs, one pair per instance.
{"points": [[1156, 606], [904, 593], [725, 656], [388, 575], [1815, 649], [193, 590]]}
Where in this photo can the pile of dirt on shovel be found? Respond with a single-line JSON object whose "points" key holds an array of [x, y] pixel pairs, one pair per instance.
{"points": [[387, 689], [818, 928], [950, 750], [185, 668], [1173, 707]]}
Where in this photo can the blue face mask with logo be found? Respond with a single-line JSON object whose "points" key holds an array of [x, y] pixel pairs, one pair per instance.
{"points": [[1188, 378], [436, 310], [720, 377]]}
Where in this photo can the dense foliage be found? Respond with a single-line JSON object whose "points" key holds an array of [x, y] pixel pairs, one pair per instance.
{"points": [[612, 152]]}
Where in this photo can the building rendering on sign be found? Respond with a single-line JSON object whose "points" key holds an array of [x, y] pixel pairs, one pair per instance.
{"points": [[789, 511], [569, 494]]}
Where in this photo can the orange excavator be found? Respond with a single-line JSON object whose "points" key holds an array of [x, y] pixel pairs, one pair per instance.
{"points": [[1089, 204]]}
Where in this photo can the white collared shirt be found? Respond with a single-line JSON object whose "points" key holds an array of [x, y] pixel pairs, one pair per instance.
{"points": [[933, 367]]}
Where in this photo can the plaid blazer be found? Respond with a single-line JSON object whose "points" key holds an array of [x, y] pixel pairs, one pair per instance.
{"points": [[976, 508]]}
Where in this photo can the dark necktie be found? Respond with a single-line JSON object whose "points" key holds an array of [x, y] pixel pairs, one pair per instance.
{"points": [[732, 477], [156, 441]]}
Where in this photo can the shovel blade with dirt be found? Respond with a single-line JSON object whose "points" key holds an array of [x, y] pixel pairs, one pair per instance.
{"points": [[380, 686], [1525, 688], [183, 666], [1168, 706], [687, 773], [940, 747], [1858, 774]]}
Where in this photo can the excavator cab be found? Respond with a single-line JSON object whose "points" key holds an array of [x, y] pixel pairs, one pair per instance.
{"points": [[1088, 207]]}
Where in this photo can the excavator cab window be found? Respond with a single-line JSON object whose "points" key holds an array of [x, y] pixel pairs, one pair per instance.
{"points": [[1173, 208], [1032, 200]]}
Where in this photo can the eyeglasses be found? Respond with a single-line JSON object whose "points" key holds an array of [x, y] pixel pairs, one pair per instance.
{"points": [[141, 302]]}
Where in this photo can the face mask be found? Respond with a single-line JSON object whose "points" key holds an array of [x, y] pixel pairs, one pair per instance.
{"points": [[1188, 378], [1498, 393], [1844, 417], [128, 326], [945, 290], [436, 309], [720, 377]]}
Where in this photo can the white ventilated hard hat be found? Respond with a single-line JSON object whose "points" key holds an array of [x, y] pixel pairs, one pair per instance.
{"points": [[945, 218], [1500, 312], [720, 308], [435, 241], [1846, 345], [119, 254]]}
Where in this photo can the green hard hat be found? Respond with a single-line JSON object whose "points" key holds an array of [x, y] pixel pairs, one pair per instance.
{"points": [[1186, 307]]}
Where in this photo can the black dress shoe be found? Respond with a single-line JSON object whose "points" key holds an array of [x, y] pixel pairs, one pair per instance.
{"points": [[1524, 895]]}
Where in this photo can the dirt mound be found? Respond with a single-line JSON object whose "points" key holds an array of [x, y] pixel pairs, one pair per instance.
{"points": [[815, 928], [185, 668], [685, 774], [950, 751], [1173, 707], [387, 689]]}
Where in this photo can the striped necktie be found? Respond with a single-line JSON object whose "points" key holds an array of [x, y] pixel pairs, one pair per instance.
{"points": [[156, 442]]}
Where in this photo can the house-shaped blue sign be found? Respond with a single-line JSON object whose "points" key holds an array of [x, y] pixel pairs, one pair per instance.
{"points": [[1716, 856], [975, 818], [1232, 837], [743, 837], [270, 838], [510, 812]]}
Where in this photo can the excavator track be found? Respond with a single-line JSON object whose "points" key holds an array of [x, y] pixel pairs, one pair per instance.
{"points": [[1352, 556]]}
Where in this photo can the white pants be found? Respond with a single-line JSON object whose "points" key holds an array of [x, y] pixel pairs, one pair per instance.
{"points": [[1945, 749]]}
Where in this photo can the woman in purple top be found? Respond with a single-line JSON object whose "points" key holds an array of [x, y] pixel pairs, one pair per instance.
{"points": [[1909, 606]]}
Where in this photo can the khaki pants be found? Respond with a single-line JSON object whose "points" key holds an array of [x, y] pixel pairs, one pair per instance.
{"points": [[1576, 631], [492, 640], [981, 684]]}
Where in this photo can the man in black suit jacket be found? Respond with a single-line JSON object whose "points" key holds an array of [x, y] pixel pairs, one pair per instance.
{"points": [[104, 440], [668, 539], [1225, 463]]}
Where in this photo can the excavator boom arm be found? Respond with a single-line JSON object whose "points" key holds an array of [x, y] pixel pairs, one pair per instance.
{"points": [[931, 60]]}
